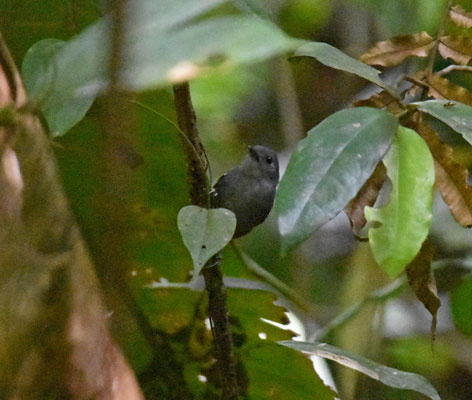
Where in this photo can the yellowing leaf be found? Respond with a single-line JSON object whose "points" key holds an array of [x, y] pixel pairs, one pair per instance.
{"points": [[366, 197], [442, 88], [458, 48], [451, 177], [421, 279], [395, 50], [460, 17], [403, 224]]}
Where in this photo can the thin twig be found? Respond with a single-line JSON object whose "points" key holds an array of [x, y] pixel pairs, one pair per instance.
{"points": [[416, 82], [205, 165], [211, 272], [381, 295], [454, 67], [273, 281]]}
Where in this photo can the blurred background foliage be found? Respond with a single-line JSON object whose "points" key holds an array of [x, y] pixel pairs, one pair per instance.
{"points": [[272, 103]]}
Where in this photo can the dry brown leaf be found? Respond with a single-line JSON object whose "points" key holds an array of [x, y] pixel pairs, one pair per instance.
{"points": [[460, 17], [459, 48], [366, 197], [421, 279], [393, 51], [442, 88], [381, 100], [451, 177]]}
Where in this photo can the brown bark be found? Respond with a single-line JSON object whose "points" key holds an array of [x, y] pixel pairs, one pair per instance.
{"points": [[54, 341]]}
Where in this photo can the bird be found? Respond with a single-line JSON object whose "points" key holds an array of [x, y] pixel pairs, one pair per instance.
{"points": [[248, 190]]}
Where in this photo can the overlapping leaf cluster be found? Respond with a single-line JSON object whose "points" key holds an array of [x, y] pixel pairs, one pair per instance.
{"points": [[416, 160]]}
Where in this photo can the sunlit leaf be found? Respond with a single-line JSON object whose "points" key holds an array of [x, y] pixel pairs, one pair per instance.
{"points": [[366, 197], [381, 100], [328, 168], [458, 48], [334, 58], [393, 51], [451, 177], [388, 376], [276, 372], [250, 308], [457, 115], [421, 279], [460, 17], [406, 219], [205, 232], [441, 88], [461, 306]]}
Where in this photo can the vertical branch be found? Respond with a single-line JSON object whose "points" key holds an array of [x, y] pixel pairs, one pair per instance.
{"points": [[211, 272], [194, 151]]}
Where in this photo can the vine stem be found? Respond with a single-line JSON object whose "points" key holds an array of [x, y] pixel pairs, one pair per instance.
{"points": [[197, 180]]}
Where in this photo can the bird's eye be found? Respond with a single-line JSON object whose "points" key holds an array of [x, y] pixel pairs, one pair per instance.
{"points": [[269, 160]]}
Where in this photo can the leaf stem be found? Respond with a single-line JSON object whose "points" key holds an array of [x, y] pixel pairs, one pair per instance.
{"points": [[454, 67], [273, 281], [381, 295]]}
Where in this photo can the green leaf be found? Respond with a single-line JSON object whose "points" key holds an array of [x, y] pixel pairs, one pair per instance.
{"points": [[205, 232], [165, 14], [249, 310], [406, 219], [328, 168], [334, 58], [164, 45], [457, 115], [461, 306], [388, 376], [191, 50], [277, 372], [40, 77]]}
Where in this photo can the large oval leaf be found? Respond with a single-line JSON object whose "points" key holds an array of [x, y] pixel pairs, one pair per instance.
{"points": [[165, 44], [406, 219], [328, 168], [205, 232], [388, 376], [457, 115]]}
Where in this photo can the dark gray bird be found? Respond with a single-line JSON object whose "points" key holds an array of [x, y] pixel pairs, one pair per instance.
{"points": [[248, 190]]}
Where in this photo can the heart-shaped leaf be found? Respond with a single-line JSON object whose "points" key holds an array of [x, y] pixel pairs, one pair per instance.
{"points": [[205, 232]]}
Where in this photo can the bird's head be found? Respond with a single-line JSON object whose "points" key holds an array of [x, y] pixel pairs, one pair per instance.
{"points": [[261, 162]]}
